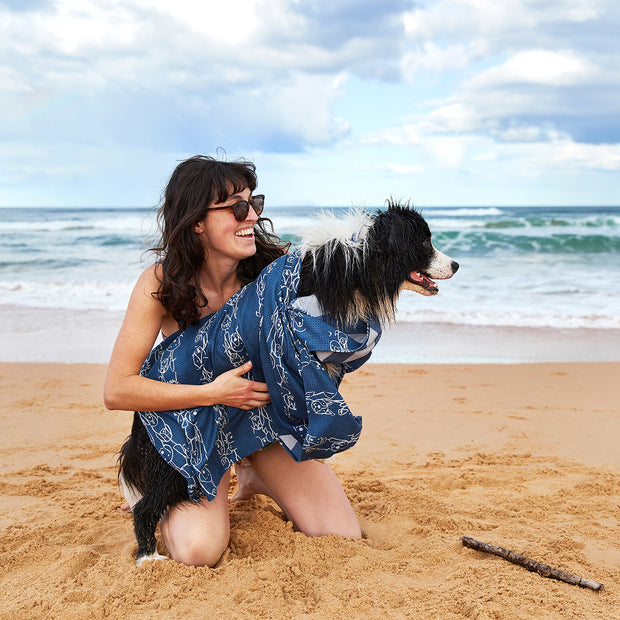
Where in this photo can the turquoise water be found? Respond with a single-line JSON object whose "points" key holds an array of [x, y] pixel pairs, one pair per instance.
{"points": [[520, 266]]}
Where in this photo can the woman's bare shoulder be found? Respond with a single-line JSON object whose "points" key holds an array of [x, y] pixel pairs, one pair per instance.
{"points": [[150, 278], [146, 287]]}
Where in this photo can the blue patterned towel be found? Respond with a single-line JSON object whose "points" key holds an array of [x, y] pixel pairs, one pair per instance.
{"points": [[285, 337]]}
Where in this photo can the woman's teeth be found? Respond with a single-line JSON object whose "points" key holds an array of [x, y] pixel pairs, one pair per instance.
{"points": [[248, 232]]}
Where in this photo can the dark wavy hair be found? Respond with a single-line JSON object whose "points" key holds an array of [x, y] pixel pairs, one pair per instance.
{"points": [[195, 184]]}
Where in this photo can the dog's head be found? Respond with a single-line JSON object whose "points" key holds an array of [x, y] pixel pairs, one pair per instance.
{"points": [[357, 265], [401, 236]]}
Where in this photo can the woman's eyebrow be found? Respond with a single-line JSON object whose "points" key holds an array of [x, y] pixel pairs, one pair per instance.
{"points": [[235, 196]]}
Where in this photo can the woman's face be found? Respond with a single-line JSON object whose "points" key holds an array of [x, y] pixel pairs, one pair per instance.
{"points": [[221, 234]]}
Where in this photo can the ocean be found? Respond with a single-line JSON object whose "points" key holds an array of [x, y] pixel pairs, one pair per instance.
{"points": [[543, 272]]}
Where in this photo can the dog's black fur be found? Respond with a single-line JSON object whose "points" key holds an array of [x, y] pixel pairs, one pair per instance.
{"points": [[370, 275], [352, 278]]}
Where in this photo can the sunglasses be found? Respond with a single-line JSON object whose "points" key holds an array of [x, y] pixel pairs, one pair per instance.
{"points": [[242, 208]]}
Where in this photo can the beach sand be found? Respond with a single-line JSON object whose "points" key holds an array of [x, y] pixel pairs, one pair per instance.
{"points": [[522, 456]]}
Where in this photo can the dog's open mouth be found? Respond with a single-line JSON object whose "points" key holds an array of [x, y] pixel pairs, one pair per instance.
{"points": [[417, 278]]}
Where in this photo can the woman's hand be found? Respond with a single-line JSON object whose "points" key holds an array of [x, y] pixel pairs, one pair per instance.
{"points": [[231, 389]]}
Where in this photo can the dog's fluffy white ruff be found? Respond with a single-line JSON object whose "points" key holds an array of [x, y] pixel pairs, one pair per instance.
{"points": [[332, 231]]}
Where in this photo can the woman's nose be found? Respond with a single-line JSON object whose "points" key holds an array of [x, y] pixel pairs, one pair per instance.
{"points": [[252, 215]]}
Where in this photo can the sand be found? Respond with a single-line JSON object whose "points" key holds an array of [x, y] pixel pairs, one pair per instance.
{"points": [[522, 456]]}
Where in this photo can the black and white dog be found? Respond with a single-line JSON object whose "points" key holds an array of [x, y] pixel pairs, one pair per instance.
{"points": [[356, 267]]}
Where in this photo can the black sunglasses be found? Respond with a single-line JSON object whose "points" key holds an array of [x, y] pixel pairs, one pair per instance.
{"points": [[242, 208]]}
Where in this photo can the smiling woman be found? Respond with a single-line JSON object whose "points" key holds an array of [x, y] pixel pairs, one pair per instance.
{"points": [[196, 221]]}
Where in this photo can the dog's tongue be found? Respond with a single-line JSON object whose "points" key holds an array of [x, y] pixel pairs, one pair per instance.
{"points": [[422, 280]]}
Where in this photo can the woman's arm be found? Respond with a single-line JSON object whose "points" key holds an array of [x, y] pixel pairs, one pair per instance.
{"points": [[124, 387]]}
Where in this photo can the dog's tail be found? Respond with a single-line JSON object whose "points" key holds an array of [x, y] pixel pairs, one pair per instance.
{"points": [[131, 461]]}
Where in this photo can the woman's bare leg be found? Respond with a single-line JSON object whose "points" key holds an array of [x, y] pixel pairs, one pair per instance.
{"points": [[248, 481], [308, 492], [198, 534]]}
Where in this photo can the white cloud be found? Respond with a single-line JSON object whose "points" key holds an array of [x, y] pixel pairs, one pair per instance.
{"points": [[522, 70], [525, 133], [404, 169], [403, 135], [547, 68], [500, 23], [431, 57], [565, 153], [279, 66], [539, 158], [446, 151], [232, 22], [457, 117]]}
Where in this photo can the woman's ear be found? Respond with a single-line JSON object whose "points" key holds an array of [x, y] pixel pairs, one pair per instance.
{"points": [[199, 227]]}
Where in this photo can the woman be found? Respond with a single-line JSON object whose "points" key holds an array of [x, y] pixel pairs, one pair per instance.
{"points": [[213, 242]]}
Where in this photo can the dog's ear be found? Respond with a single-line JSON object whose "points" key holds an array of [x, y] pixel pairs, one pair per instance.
{"points": [[395, 237], [378, 235], [393, 228]]}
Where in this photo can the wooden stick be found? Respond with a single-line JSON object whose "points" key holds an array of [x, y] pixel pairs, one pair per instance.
{"points": [[542, 569]]}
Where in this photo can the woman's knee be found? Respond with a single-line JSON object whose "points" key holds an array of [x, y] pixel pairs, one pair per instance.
{"points": [[308, 492], [198, 534], [327, 511], [341, 522], [204, 549]]}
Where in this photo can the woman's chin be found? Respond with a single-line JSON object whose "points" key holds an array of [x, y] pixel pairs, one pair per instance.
{"points": [[247, 246]]}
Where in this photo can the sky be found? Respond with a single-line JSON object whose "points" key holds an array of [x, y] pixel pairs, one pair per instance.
{"points": [[337, 102]]}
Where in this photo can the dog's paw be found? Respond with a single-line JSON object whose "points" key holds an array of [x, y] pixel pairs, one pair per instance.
{"points": [[154, 556]]}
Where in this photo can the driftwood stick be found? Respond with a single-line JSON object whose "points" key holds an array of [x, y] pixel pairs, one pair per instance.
{"points": [[543, 570]]}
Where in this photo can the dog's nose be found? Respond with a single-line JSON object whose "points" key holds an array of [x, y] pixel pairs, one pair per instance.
{"points": [[455, 267]]}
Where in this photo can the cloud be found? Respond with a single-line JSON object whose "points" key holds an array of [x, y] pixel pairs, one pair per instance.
{"points": [[246, 73], [430, 57], [552, 91], [506, 25], [227, 22], [403, 169], [538, 66], [93, 88], [363, 37], [567, 154], [530, 70], [402, 135]]}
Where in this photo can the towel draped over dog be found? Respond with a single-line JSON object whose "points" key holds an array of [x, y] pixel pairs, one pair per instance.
{"points": [[287, 339]]}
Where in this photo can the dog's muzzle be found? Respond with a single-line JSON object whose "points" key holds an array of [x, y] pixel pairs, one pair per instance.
{"points": [[441, 268]]}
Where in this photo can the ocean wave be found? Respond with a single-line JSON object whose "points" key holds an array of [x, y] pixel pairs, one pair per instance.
{"points": [[480, 243], [43, 227], [27, 265], [73, 295], [498, 318], [110, 239], [432, 212], [555, 221], [537, 225], [138, 224]]}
